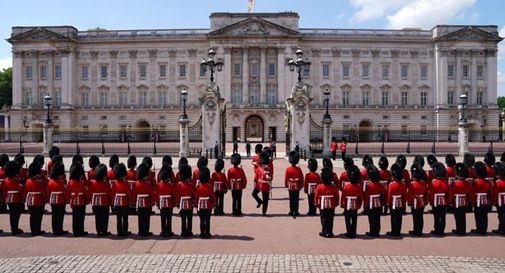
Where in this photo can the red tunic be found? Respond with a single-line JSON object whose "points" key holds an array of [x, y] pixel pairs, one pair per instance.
{"points": [[131, 175], [110, 174], [312, 179], [352, 197], [417, 194], [397, 195], [481, 192], [185, 197], [144, 193], [364, 175], [293, 178], [333, 146], [343, 179], [91, 174], [255, 161], [35, 190], [166, 194], [326, 196], [449, 172], [219, 182], [77, 194], [263, 178], [100, 193], [204, 196], [499, 193], [343, 146], [490, 171], [406, 177], [122, 196], [461, 193], [439, 193], [12, 192], [375, 193], [236, 178], [23, 174], [56, 191]]}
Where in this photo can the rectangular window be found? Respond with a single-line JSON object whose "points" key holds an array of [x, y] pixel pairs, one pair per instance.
{"points": [[326, 70], [236, 97], [365, 73], [465, 71], [29, 98], [365, 98], [57, 99], [272, 70], [103, 72], [57, 72], [480, 71], [385, 98], [346, 97], [405, 97], [254, 96], [423, 98], [163, 71], [143, 98], [182, 71], [385, 71], [346, 70], [203, 71], [424, 72], [450, 98], [85, 72], [162, 98], [28, 72], [254, 69], [479, 98], [306, 71], [43, 72], [450, 71], [123, 98], [236, 69], [143, 71], [404, 129], [423, 129], [272, 97], [104, 99], [404, 71], [123, 71], [85, 99]]}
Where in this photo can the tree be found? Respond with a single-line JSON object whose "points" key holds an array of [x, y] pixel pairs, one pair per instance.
{"points": [[501, 102], [6, 87]]}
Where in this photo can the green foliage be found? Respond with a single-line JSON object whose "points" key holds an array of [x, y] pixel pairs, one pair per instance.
{"points": [[6, 87], [501, 102]]}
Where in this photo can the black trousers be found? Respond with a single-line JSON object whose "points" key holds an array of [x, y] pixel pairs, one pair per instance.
{"points": [[144, 220], [36, 214], [501, 218], [204, 215], [480, 214], [396, 221], [374, 220], [351, 222], [312, 206], [266, 197], [418, 219], [101, 219], [78, 215], [236, 196], [15, 210], [122, 219], [219, 208], [186, 222], [343, 155], [460, 219], [57, 216], [439, 219], [166, 220], [294, 201], [327, 216]]}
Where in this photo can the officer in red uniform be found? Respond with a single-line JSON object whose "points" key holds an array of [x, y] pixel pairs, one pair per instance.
{"points": [[152, 172], [263, 182], [417, 198], [396, 199], [35, 190], [237, 182], [256, 157], [93, 162], [333, 148], [205, 200], [200, 163], [312, 179], [326, 199], [432, 159], [54, 151], [182, 161], [122, 196], [481, 198], [439, 198], [293, 180], [165, 199], [78, 197], [57, 192], [450, 164], [365, 162], [350, 201], [144, 194], [131, 175], [375, 195], [348, 162], [220, 184], [490, 159], [499, 196], [385, 177], [12, 193], [100, 200], [460, 197], [185, 198], [343, 147]]}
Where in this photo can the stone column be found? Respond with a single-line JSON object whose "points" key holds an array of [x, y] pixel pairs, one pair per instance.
{"points": [[490, 75], [48, 137], [263, 76], [212, 103], [326, 135], [227, 71], [245, 75], [183, 137], [281, 70], [17, 79], [68, 78], [6, 127], [298, 107]]}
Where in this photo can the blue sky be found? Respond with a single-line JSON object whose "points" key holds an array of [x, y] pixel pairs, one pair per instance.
{"points": [[129, 14]]}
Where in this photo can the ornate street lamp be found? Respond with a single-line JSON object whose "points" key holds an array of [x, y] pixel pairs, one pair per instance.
{"points": [[327, 103], [47, 103], [184, 98], [300, 65], [212, 64]]}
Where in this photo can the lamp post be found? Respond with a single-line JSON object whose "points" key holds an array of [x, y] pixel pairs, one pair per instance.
{"points": [[184, 98], [299, 65], [128, 138], [48, 125], [154, 139], [212, 64], [183, 122], [462, 125], [326, 125]]}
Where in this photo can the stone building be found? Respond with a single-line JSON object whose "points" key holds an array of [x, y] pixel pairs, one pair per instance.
{"points": [[113, 80]]}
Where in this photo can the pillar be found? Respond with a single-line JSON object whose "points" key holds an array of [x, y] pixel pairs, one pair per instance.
{"points": [[245, 75], [326, 135], [48, 137], [263, 76], [183, 137], [298, 107], [212, 103]]}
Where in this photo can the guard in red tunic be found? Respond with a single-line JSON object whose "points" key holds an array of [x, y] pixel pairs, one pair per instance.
{"points": [[220, 185], [396, 200], [481, 198], [327, 163], [205, 200], [237, 182], [23, 172], [113, 160], [263, 182], [326, 199], [200, 163], [3, 160], [93, 162], [348, 162], [54, 151], [185, 198], [375, 195], [333, 148], [385, 177], [121, 198], [402, 162], [365, 162], [450, 165], [312, 179], [293, 180], [131, 175], [432, 159], [256, 157], [165, 199], [12, 193], [35, 190], [439, 198], [499, 196], [343, 147], [351, 199], [78, 197], [490, 159], [101, 200], [57, 192], [417, 198], [152, 171], [460, 198], [469, 161], [144, 194], [182, 161]]}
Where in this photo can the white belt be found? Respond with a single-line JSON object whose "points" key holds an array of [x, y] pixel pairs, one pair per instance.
{"points": [[30, 197], [395, 198], [384, 183], [469, 180], [311, 187], [117, 197], [350, 200], [479, 198], [436, 196], [53, 196], [217, 185], [490, 180], [365, 183], [97, 195], [451, 180], [183, 201], [416, 198], [501, 196], [141, 197], [200, 202], [326, 201], [372, 198], [458, 198]]}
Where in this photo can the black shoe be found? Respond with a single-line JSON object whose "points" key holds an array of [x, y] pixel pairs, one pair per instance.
{"points": [[479, 232], [296, 214], [497, 231], [17, 232], [391, 234], [290, 213], [321, 234], [259, 204], [330, 235], [436, 233], [371, 234]]}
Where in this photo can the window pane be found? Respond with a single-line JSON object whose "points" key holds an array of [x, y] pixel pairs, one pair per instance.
{"points": [[103, 71], [28, 73], [143, 71], [43, 72], [254, 69], [57, 72], [385, 71], [163, 71], [84, 72], [123, 71], [366, 70], [236, 69], [182, 70], [271, 69], [326, 70]]}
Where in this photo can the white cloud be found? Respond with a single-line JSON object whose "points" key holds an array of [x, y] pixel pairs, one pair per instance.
{"points": [[501, 83], [5, 63], [501, 45], [373, 9]]}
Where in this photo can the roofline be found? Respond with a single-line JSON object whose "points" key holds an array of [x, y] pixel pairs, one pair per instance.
{"points": [[257, 14]]}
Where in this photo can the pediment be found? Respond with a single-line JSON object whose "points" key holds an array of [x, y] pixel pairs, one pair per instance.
{"points": [[385, 87], [424, 87], [346, 87], [142, 87], [38, 34], [405, 87], [103, 88], [366, 87], [162, 87], [84, 88], [122, 87], [470, 34], [254, 26]]}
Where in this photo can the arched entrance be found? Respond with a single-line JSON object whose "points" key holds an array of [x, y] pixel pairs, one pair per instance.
{"points": [[142, 131], [365, 131], [254, 129]]}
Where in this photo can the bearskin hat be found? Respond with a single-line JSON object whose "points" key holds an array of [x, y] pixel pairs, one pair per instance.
{"points": [[397, 172], [148, 161], [327, 175], [327, 163], [101, 172], [202, 162], [3, 159], [76, 171], [11, 169], [236, 159], [348, 162], [293, 157], [78, 159], [469, 160], [419, 160], [113, 160], [185, 172], [268, 151], [93, 161], [367, 160], [203, 174], [354, 174], [480, 169], [500, 169], [312, 164], [57, 158], [34, 169], [182, 161], [439, 170], [264, 158], [258, 148], [383, 163], [401, 161], [57, 170], [373, 173], [39, 159], [219, 166], [164, 173], [461, 170], [119, 170], [142, 171], [55, 150], [502, 158], [450, 160], [20, 159], [432, 159], [489, 158], [166, 160], [417, 172], [131, 162]]}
